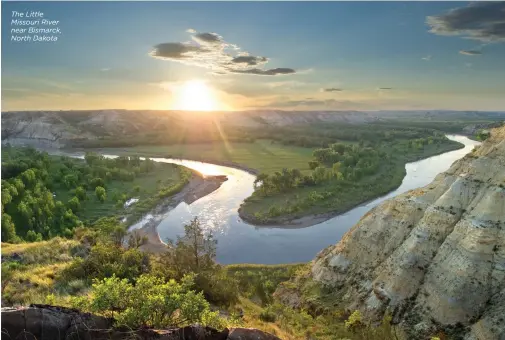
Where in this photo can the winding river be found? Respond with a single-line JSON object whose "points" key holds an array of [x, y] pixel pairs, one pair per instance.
{"points": [[239, 242]]}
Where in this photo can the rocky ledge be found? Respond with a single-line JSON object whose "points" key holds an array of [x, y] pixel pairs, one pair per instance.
{"points": [[434, 257], [43, 322]]}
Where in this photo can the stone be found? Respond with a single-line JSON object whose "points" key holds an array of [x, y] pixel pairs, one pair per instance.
{"points": [[250, 334]]}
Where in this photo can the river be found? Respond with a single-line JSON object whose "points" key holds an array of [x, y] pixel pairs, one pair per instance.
{"points": [[239, 242]]}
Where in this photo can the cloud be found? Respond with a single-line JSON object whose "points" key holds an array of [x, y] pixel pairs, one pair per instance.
{"points": [[427, 58], [470, 52], [385, 88], [210, 51], [483, 21], [332, 89]]}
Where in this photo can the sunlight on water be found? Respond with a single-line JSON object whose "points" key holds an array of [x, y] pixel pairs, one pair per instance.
{"points": [[205, 169], [239, 242]]}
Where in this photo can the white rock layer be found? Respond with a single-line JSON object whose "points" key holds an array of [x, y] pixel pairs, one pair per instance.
{"points": [[434, 256]]}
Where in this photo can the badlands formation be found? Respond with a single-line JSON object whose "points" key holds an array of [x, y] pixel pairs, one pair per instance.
{"points": [[434, 257]]}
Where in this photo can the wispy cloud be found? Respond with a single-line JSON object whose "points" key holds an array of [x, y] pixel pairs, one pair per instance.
{"points": [[483, 21], [211, 51], [427, 58], [470, 52]]}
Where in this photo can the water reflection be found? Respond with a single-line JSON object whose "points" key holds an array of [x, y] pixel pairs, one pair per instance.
{"points": [[239, 242]]}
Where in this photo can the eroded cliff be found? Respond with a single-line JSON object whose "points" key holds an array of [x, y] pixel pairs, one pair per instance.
{"points": [[433, 257]]}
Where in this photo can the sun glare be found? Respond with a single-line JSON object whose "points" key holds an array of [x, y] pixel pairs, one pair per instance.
{"points": [[195, 95]]}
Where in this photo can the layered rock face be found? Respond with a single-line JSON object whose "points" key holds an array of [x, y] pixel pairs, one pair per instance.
{"points": [[434, 257], [42, 322]]}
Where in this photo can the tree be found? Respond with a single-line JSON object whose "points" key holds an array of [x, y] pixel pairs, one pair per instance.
{"points": [[313, 164], [32, 236], [195, 249], [195, 253], [97, 182], [320, 174], [100, 194], [80, 193], [260, 179], [74, 204], [92, 158], [336, 168], [8, 230]]}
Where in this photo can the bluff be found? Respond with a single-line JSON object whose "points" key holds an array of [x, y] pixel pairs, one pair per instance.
{"points": [[432, 258]]}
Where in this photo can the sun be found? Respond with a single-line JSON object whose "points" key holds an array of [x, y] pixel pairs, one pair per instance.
{"points": [[195, 95]]}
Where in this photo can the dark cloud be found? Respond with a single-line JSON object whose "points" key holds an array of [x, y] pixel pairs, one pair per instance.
{"points": [[212, 38], [470, 52], [332, 89], [209, 50], [259, 72], [249, 60], [176, 51], [484, 21], [385, 88]]}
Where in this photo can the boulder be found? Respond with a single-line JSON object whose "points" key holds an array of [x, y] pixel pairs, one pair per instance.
{"points": [[250, 334], [44, 322]]}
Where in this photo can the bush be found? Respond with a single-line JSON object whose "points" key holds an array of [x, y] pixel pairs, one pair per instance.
{"points": [[107, 260], [268, 315], [151, 302]]}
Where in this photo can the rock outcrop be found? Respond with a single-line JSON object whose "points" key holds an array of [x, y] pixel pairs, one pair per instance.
{"points": [[43, 322], [433, 257]]}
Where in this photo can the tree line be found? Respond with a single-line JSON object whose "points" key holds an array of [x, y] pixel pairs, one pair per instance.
{"points": [[30, 209]]}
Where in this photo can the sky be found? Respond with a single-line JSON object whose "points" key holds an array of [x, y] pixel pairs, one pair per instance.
{"points": [[259, 55]]}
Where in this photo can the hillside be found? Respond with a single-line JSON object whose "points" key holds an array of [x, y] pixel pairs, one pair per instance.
{"points": [[78, 128], [433, 258]]}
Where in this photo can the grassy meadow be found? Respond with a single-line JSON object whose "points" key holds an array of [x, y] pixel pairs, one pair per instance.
{"points": [[263, 155]]}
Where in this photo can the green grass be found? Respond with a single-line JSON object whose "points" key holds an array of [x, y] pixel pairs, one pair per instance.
{"points": [[262, 155], [269, 156], [339, 196], [164, 175], [30, 270]]}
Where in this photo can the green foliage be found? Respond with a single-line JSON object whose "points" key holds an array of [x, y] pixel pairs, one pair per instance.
{"points": [[354, 321], [29, 209], [482, 135], [346, 175], [150, 302], [74, 204], [80, 193], [268, 315], [195, 253], [259, 282], [106, 260], [53, 195], [100, 194]]}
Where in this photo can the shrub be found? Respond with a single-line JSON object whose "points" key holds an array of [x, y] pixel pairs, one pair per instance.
{"points": [[268, 315], [151, 302]]}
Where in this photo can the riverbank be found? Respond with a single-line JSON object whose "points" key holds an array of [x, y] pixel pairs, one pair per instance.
{"points": [[297, 208], [199, 186], [259, 156]]}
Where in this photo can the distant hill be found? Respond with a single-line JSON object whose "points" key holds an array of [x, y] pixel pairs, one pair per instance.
{"points": [[70, 128]]}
